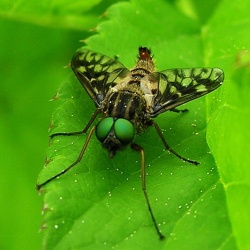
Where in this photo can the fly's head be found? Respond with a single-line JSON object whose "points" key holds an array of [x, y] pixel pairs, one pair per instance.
{"points": [[115, 133]]}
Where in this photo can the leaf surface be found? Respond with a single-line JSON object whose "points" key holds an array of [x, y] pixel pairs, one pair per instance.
{"points": [[99, 203]]}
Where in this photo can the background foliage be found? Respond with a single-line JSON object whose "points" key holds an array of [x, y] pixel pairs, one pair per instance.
{"points": [[194, 205]]}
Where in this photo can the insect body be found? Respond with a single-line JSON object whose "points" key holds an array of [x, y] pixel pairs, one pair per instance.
{"points": [[128, 100]]}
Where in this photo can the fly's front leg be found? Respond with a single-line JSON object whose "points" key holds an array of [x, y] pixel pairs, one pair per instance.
{"points": [[74, 163], [77, 132]]}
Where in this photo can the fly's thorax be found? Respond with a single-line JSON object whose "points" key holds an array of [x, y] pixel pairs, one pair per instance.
{"points": [[128, 103]]}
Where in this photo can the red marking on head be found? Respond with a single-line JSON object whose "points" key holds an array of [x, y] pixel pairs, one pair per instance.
{"points": [[144, 53]]}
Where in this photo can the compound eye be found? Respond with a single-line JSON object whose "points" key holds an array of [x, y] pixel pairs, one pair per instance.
{"points": [[124, 130], [103, 128]]}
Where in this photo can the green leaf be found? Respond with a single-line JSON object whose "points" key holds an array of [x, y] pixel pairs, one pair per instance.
{"points": [[228, 128], [99, 203]]}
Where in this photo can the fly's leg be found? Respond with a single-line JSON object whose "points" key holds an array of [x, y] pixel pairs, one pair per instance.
{"points": [[74, 163], [82, 151], [169, 148], [143, 176], [77, 132]]}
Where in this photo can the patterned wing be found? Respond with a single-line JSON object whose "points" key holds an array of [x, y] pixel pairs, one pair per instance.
{"points": [[177, 86], [97, 73]]}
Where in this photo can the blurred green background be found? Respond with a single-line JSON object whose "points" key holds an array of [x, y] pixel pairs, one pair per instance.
{"points": [[32, 61]]}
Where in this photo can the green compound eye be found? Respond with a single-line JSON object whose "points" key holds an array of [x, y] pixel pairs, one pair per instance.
{"points": [[103, 128], [124, 130]]}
